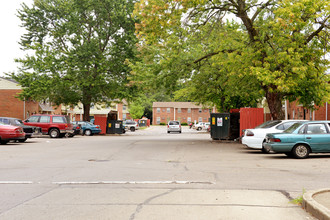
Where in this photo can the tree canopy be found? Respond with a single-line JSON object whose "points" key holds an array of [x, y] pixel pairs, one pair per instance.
{"points": [[234, 52], [77, 51]]}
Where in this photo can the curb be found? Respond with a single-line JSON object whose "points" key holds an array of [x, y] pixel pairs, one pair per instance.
{"points": [[316, 209]]}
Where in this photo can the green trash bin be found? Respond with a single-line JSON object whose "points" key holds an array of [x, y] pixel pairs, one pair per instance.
{"points": [[224, 126], [115, 127]]}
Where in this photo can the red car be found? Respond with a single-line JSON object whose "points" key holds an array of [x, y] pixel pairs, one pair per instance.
{"points": [[9, 132], [53, 125]]}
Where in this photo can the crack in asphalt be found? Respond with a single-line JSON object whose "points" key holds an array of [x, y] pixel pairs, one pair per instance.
{"points": [[147, 201]]}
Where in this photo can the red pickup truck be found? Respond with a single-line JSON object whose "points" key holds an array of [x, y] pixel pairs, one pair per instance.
{"points": [[53, 125]]}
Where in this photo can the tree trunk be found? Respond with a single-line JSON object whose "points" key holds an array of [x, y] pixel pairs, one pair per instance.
{"points": [[274, 101], [86, 111]]}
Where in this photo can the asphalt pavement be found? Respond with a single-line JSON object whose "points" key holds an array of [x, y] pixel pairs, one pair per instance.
{"points": [[66, 179]]}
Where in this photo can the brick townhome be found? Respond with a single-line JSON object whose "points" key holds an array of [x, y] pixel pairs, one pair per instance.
{"points": [[185, 112]]}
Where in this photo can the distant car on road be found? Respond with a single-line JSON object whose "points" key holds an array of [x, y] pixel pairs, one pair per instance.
{"points": [[88, 128], [253, 138], [174, 126], [10, 132], [301, 139], [130, 125], [202, 126], [53, 125]]}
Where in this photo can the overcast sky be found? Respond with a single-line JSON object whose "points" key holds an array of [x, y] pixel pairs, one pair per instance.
{"points": [[10, 35]]}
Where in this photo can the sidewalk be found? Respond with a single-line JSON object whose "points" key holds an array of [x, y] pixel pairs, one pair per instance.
{"points": [[131, 203], [318, 203]]}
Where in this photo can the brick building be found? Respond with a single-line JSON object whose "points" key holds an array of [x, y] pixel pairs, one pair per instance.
{"points": [[185, 112], [10, 106], [297, 111]]}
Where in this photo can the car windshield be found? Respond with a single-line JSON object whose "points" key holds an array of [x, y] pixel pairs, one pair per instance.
{"points": [[174, 123], [19, 122], [269, 124], [293, 127]]}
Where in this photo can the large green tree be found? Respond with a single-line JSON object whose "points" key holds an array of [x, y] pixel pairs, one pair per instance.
{"points": [[273, 48], [77, 51]]}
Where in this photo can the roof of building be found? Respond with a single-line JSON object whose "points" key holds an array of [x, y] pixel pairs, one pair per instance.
{"points": [[9, 84], [176, 105]]}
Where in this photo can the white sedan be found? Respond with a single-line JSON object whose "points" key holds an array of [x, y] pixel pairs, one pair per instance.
{"points": [[253, 138]]}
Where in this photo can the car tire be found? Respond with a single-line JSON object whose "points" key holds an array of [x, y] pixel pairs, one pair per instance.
{"points": [[199, 129], [301, 151], [263, 149], [132, 128], [22, 140], [3, 142], [88, 132], [54, 133], [168, 132]]}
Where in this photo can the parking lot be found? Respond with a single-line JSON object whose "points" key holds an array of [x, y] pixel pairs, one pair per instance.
{"points": [[117, 174]]}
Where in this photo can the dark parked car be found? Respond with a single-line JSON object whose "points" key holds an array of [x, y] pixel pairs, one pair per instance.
{"points": [[77, 130], [29, 131], [87, 127], [10, 132], [53, 125]]}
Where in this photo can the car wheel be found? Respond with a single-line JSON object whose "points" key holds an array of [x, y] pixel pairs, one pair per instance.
{"points": [[88, 132], [301, 151], [168, 132], [198, 129], [263, 149], [132, 129], [54, 133], [4, 142], [22, 140]]}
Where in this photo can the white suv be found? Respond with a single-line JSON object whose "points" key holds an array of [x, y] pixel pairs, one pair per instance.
{"points": [[131, 125]]}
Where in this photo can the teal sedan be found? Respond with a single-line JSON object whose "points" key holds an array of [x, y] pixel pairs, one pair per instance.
{"points": [[301, 139]]}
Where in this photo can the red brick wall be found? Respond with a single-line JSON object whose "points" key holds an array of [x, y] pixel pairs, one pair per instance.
{"points": [[10, 106], [299, 112], [183, 116]]}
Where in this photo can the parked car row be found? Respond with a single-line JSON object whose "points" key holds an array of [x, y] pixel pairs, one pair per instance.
{"points": [[295, 138], [56, 126]]}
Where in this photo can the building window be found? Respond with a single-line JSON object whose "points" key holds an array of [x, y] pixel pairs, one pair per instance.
{"points": [[124, 107], [168, 110], [158, 110], [200, 119], [158, 120], [124, 116], [179, 110], [189, 120], [189, 110], [200, 110]]}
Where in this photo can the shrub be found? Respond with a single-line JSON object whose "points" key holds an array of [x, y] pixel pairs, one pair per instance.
{"points": [[184, 124], [162, 123]]}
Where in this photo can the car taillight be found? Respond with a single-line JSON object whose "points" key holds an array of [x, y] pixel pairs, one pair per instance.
{"points": [[249, 133], [275, 140]]}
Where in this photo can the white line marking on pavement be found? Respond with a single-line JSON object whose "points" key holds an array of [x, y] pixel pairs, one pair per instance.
{"points": [[17, 182], [134, 182]]}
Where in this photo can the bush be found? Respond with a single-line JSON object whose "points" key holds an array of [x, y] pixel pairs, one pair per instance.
{"points": [[184, 124], [162, 123]]}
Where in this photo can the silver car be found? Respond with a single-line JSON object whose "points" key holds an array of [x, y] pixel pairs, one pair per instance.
{"points": [[174, 126]]}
